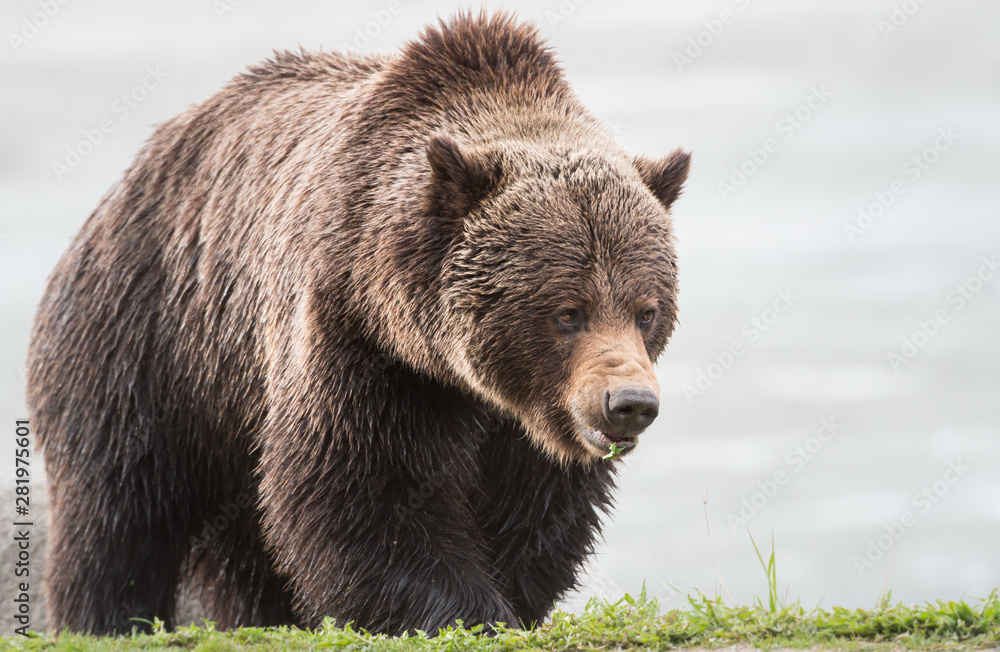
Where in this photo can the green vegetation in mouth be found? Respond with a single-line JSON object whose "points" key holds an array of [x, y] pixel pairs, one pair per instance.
{"points": [[614, 450]]}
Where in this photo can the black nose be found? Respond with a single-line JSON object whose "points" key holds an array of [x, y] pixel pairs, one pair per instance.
{"points": [[631, 408]]}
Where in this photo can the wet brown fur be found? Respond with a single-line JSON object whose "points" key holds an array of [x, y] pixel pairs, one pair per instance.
{"points": [[332, 285]]}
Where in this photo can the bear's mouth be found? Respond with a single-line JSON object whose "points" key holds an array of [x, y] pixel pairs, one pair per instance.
{"points": [[603, 442]]}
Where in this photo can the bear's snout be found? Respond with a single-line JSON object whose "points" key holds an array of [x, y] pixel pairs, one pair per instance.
{"points": [[614, 394], [631, 409]]}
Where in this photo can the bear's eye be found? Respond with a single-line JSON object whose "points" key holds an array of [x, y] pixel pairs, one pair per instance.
{"points": [[569, 319], [647, 317]]}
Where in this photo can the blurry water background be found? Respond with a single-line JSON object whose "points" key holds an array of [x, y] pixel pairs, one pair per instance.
{"points": [[801, 116]]}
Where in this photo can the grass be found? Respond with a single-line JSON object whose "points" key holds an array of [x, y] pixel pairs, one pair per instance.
{"points": [[629, 624]]}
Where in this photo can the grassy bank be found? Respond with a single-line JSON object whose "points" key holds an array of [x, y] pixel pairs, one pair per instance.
{"points": [[629, 624]]}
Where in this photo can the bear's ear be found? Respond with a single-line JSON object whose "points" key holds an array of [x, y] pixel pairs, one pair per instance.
{"points": [[665, 176], [460, 179]]}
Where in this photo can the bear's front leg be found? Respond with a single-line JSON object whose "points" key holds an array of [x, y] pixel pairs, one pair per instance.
{"points": [[540, 518], [365, 479]]}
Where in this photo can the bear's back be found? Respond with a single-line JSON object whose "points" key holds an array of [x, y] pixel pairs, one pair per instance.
{"points": [[165, 270]]}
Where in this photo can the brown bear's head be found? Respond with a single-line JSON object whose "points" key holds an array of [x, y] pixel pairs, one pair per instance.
{"points": [[560, 284]]}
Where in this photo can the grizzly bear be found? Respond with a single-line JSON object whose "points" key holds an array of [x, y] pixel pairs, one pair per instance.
{"points": [[358, 337]]}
